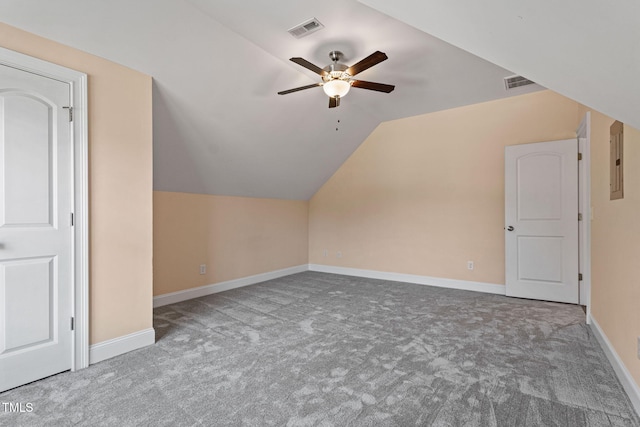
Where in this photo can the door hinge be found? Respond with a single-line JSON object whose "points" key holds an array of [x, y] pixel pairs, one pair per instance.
{"points": [[579, 217], [579, 156], [70, 109], [73, 324], [72, 220], [579, 276]]}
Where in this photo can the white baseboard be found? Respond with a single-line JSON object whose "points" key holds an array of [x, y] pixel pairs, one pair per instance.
{"points": [[124, 344], [173, 297], [627, 381], [490, 288]]}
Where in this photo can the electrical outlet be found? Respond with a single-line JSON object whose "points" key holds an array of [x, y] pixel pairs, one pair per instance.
{"points": [[470, 265], [325, 253], [203, 268], [338, 254]]}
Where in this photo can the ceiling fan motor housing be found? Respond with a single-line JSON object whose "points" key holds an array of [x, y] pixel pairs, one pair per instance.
{"points": [[336, 71]]}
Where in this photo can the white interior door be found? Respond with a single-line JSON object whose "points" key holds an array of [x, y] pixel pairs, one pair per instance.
{"points": [[36, 175], [541, 213]]}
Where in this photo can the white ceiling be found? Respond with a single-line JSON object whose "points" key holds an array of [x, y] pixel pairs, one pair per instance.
{"points": [[587, 50], [219, 126]]}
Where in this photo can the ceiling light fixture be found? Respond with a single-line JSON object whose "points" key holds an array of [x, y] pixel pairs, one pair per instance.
{"points": [[336, 87], [337, 81]]}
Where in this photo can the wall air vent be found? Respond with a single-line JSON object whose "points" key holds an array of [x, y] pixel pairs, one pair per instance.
{"points": [[516, 81], [307, 27]]}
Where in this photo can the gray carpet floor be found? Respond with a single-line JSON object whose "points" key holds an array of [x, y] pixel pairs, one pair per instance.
{"points": [[316, 349]]}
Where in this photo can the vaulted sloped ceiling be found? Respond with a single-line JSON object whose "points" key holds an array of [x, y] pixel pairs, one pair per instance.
{"points": [[587, 50], [219, 127]]}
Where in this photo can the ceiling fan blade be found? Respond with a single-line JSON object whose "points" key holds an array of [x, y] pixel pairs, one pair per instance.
{"points": [[308, 65], [368, 62], [284, 92], [334, 102], [380, 87]]}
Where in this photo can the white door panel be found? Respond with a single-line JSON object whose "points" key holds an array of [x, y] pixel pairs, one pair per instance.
{"points": [[541, 213], [36, 281], [539, 196], [28, 287], [27, 147]]}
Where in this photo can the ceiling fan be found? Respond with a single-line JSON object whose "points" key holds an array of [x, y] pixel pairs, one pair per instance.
{"points": [[337, 78]]}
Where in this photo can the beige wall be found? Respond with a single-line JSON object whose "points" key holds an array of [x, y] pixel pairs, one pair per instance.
{"points": [[615, 244], [234, 236], [120, 187], [424, 195]]}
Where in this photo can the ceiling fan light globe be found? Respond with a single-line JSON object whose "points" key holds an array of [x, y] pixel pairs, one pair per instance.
{"points": [[336, 87]]}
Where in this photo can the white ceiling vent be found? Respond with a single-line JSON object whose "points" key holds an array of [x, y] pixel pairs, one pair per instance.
{"points": [[307, 27], [516, 81]]}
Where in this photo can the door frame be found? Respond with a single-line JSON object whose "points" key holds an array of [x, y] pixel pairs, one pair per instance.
{"points": [[584, 196], [583, 136], [80, 194]]}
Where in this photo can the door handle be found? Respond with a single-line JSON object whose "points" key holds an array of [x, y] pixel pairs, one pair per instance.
{"points": [[510, 228]]}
